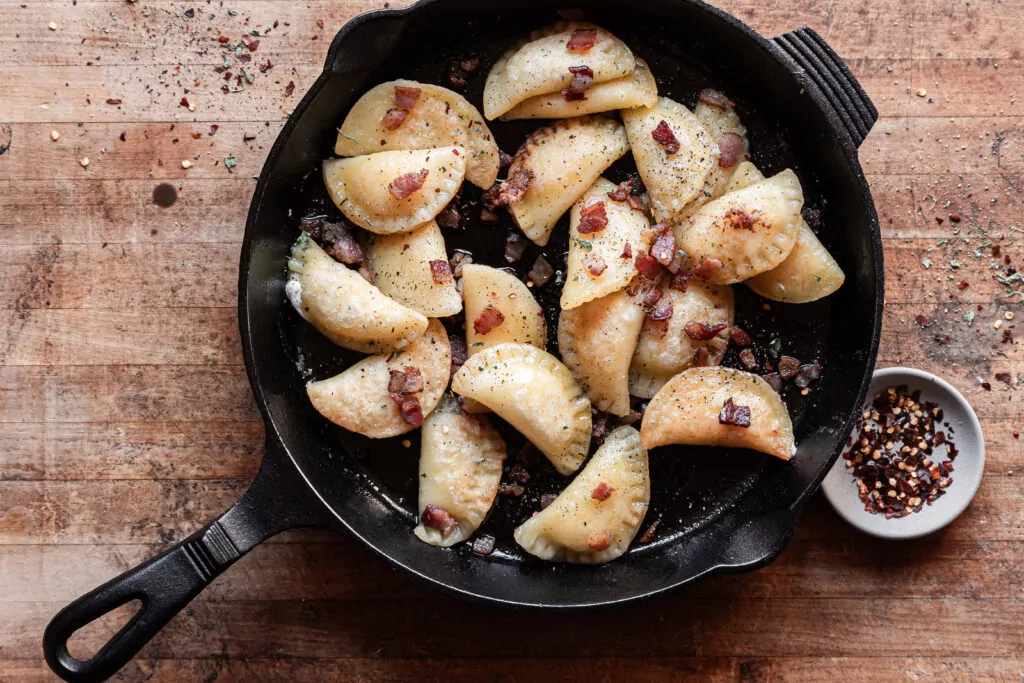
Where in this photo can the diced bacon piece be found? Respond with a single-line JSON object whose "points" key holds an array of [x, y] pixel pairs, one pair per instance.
{"points": [[664, 249], [733, 414], [488, 319], [440, 271], [405, 185], [707, 268], [593, 218], [730, 147], [582, 78], [602, 492], [716, 99], [594, 264], [405, 97], [394, 118], [664, 136], [701, 331], [438, 518], [581, 41], [407, 381], [647, 265], [622, 192]]}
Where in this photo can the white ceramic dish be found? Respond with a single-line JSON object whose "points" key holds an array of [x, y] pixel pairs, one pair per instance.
{"points": [[840, 487]]}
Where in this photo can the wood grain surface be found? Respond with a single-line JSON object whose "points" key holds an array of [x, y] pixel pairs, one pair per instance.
{"points": [[126, 420]]}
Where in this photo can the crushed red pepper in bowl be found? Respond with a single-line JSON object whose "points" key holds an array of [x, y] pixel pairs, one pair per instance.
{"points": [[899, 459]]}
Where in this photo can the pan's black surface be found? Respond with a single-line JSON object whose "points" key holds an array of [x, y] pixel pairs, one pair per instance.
{"points": [[720, 510]]}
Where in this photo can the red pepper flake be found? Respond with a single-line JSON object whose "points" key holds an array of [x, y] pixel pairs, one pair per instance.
{"points": [[622, 192], [582, 78], [489, 319], [738, 219], [964, 284], [440, 271], [647, 265], [740, 337], [788, 367], [113, 100], [702, 331], [627, 251], [593, 218], [319, 23], [594, 264], [717, 99], [183, 102], [664, 249], [707, 268], [733, 414], [250, 43], [602, 492], [406, 381], [663, 135], [438, 518], [222, 38], [581, 41], [406, 97], [748, 359], [394, 118], [598, 543], [730, 148], [289, 89], [405, 185], [195, 135]]}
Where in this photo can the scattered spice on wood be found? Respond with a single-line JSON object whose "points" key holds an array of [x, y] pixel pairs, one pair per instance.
{"points": [[896, 456]]}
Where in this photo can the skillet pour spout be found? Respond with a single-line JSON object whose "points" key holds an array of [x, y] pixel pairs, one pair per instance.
{"points": [[732, 512]]}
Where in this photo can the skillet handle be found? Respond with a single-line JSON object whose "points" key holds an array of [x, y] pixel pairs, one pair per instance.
{"points": [[829, 73], [277, 500]]}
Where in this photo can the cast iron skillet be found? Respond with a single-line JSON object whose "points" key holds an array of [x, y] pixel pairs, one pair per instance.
{"points": [[720, 511]]}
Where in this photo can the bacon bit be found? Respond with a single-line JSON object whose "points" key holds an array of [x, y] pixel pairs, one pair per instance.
{"points": [[459, 352], [788, 367], [582, 78], [598, 542], [627, 251], [730, 147], [409, 407], [394, 118], [456, 79], [701, 331], [738, 219], [504, 159], [513, 189], [449, 216], [437, 518], [714, 98], [541, 272], [707, 268], [680, 281], [599, 426], [622, 192], [581, 41], [488, 216], [739, 337], [593, 218], [405, 97], [515, 246], [594, 264], [511, 489], [483, 545], [649, 534], [663, 135], [518, 473], [636, 202], [459, 259], [733, 414], [701, 356], [340, 244], [748, 358], [651, 296], [440, 271], [602, 492], [774, 381], [647, 265], [488, 319], [807, 373], [662, 310], [250, 43], [406, 381], [405, 185], [664, 249], [469, 64]]}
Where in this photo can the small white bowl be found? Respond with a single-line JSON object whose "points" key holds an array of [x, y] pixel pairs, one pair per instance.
{"points": [[841, 489]]}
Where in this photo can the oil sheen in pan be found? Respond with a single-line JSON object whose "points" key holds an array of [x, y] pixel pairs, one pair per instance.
{"points": [[690, 485]]}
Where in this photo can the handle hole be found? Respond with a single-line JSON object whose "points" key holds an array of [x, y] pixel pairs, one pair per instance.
{"points": [[87, 641]]}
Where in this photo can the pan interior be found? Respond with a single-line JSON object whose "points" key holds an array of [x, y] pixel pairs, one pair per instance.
{"points": [[372, 484]]}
